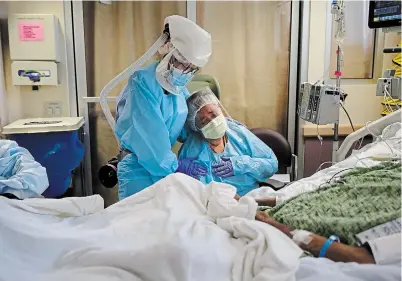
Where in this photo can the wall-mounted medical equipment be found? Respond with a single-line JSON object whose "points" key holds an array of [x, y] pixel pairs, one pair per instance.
{"points": [[389, 85], [319, 104], [35, 42], [384, 14], [27, 73], [387, 15]]}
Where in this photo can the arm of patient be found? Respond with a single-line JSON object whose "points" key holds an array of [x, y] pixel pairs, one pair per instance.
{"points": [[269, 201], [337, 251]]}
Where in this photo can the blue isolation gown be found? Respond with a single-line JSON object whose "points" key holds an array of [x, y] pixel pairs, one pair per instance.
{"points": [[20, 174], [149, 122], [253, 161]]}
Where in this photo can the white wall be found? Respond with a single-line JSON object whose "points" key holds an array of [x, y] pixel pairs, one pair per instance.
{"points": [[22, 102], [362, 103]]}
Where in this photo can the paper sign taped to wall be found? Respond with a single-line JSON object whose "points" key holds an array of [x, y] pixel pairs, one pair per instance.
{"points": [[31, 31]]}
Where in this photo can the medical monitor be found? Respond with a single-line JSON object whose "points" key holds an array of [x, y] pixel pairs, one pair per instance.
{"points": [[384, 14]]}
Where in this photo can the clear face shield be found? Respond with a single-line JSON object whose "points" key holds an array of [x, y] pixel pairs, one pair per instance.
{"points": [[181, 34], [207, 115], [174, 71], [179, 62]]}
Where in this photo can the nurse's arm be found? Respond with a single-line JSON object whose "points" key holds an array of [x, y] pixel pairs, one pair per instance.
{"points": [[148, 137]]}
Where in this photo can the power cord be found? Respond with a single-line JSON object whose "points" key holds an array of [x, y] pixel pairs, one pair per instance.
{"points": [[347, 114], [322, 164], [390, 98], [351, 124]]}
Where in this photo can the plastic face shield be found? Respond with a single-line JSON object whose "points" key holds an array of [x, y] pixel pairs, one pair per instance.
{"points": [[206, 114], [178, 61], [172, 73], [192, 41], [203, 107]]}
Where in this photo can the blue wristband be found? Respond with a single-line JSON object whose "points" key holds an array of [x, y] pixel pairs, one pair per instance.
{"points": [[326, 245]]}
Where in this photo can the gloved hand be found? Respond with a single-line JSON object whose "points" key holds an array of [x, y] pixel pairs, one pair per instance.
{"points": [[223, 169], [189, 167]]}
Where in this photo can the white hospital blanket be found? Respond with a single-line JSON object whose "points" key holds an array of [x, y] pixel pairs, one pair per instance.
{"points": [[360, 158], [175, 230], [320, 269]]}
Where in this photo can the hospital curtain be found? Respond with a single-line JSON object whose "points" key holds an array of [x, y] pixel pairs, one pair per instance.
{"points": [[250, 59], [3, 101], [115, 36]]}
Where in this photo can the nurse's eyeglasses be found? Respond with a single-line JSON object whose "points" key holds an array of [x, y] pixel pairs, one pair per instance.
{"points": [[185, 67]]}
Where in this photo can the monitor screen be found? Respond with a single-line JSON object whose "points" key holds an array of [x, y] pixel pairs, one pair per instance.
{"points": [[384, 14]]}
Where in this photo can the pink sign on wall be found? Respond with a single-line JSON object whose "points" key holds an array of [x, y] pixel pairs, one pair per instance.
{"points": [[31, 31]]}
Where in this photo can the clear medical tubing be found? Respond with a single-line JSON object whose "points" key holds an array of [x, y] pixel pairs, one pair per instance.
{"points": [[125, 74]]}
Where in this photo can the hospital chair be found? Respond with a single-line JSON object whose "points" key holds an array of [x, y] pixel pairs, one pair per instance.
{"points": [[281, 147], [203, 80]]}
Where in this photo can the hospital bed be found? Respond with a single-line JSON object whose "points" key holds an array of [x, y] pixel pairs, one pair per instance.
{"points": [[383, 148]]}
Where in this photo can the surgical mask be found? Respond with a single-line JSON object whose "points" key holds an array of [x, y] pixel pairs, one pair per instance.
{"points": [[215, 129], [178, 78]]}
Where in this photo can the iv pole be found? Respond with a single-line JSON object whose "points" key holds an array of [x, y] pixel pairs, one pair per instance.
{"points": [[335, 144], [338, 10]]}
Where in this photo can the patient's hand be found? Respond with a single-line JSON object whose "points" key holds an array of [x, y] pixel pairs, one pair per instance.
{"points": [[264, 217]]}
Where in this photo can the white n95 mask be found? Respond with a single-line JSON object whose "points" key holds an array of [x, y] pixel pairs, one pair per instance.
{"points": [[216, 128]]}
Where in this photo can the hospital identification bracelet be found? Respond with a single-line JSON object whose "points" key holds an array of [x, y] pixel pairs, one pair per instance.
{"points": [[326, 245]]}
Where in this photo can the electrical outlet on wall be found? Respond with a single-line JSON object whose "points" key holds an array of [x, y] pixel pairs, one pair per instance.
{"points": [[53, 109]]}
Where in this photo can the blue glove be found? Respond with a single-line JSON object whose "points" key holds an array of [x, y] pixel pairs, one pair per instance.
{"points": [[189, 167], [224, 169]]}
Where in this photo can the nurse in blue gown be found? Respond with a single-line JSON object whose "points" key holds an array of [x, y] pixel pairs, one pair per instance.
{"points": [[151, 110]]}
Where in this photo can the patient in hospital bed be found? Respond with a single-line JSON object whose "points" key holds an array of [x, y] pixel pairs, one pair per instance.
{"points": [[384, 249], [363, 208], [229, 151]]}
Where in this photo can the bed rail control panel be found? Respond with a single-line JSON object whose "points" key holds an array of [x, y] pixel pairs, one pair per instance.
{"points": [[318, 103]]}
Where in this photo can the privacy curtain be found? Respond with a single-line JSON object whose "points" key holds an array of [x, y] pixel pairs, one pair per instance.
{"points": [[250, 59], [115, 36], [3, 101]]}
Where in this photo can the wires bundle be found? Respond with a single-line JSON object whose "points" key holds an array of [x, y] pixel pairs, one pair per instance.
{"points": [[390, 104]]}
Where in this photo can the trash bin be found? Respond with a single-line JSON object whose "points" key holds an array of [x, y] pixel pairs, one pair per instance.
{"points": [[54, 143]]}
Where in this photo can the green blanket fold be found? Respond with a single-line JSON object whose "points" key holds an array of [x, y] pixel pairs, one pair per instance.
{"points": [[361, 199]]}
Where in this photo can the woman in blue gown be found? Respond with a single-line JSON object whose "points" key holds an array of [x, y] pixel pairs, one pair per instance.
{"points": [[228, 150]]}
